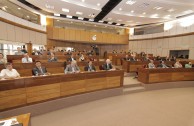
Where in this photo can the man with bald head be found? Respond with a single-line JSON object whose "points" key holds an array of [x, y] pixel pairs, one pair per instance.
{"points": [[108, 65]]}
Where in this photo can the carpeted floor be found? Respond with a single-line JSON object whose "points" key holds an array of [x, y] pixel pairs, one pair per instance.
{"points": [[167, 107]]}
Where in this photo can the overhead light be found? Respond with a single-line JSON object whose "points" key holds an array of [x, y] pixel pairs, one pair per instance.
{"points": [[49, 6], [68, 16], [154, 16], [91, 19], [110, 22], [118, 24], [171, 10], [144, 13], [187, 21], [79, 13], [58, 20], [98, 4], [19, 8], [28, 16], [157, 8], [91, 15], [80, 18], [83, 0], [168, 26], [119, 20], [120, 9], [109, 19], [65, 10], [100, 21], [188, 12], [130, 2], [58, 15], [132, 11], [167, 17]]}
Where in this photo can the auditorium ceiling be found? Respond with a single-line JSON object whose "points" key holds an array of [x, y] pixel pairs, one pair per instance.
{"points": [[113, 12]]}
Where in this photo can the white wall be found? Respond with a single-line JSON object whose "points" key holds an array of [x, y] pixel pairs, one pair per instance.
{"points": [[162, 46]]}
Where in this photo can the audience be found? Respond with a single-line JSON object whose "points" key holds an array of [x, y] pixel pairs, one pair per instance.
{"points": [[188, 65], [82, 58], [26, 59], [19, 52], [2, 59], [162, 65], [72, 67], [9, 72], [90, 67], [39, 69], [133, 58], [178, 64], [151, 64], [108, 65], [52, 58], [71, 58], [126, 57], [24, 50]]}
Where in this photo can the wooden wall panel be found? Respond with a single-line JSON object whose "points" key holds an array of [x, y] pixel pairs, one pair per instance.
{"points": [[78, 35], [61, 33], [33, 36], [10, 32], [18, 34], [72, 34], [3, 31], [25, 35], [67, 34], [38, 38], [55, 33]]}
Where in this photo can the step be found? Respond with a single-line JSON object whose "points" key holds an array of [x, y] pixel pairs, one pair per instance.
{"points": [[133, 90]]}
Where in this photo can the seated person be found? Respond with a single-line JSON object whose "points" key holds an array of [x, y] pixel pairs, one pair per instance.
{"points": [[158, 58], [2, 59], [81, 58], [19, 52], [39, 70], [50, 52], [26, 59], [173, 58], [133, 58], [178, 64], [108, 65], [90, 67], [71, 58], [52, 58], [36, 52], [24, 50], [126, 58], [9, 72], [189, 65], [151, 64], [162, 65], [72, 68]]}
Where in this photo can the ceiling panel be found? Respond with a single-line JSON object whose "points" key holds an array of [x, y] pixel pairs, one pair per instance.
{"points": [[55, 6], [143, 12]]}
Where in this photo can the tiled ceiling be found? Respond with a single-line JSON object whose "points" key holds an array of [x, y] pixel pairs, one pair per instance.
{"points": [[117, 12]]}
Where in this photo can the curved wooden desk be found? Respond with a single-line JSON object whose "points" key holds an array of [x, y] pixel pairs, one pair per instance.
{"points": [[31, 90], [157, 75]]}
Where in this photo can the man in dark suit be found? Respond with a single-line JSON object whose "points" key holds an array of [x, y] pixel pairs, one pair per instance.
{"points": [[108, 65], [90, 67], [126, 57], [39, 70], [72, 68], [71, 58]]}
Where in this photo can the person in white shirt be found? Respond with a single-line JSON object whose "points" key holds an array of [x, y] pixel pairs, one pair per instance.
{"points": [[19, 52], [9, 72], [151, 64], [178, 64], [26, 59]]}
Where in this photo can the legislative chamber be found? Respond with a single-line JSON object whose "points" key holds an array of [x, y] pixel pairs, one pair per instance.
{"points": [[99, 63]]}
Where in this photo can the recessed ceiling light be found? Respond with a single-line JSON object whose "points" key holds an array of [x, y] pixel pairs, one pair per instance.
{"points": [[65, 10], [144, 13], [91, 19], [157, 8], [79, 13], [49, 6], [58, 20], [100, 21], [109, 19], [118, 24], [132, 11], [28, 16], [98, 4], [110, 22], [83, 0], [80, 18], [68, 16], [119, 20], [58, 15], [171, 10], [131, 2], [91, 15], [19, 8], [154, 16], [120, 9]]}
